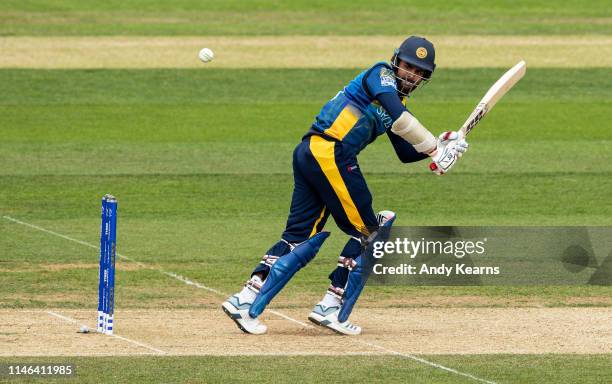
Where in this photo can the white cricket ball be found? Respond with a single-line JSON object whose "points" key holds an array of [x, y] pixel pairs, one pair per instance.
{"points": [[206, 55], [84, 329]]}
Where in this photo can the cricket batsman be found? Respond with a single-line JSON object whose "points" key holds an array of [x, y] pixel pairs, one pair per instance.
{"points": [[328, 181]]}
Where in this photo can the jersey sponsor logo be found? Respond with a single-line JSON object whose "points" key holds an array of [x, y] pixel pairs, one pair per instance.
{"points": [[352, 168], [387, 79], [384, 117], [421, 52]]}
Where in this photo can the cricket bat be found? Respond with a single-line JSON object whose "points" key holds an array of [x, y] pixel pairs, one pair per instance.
{"points": [[499, 89]]}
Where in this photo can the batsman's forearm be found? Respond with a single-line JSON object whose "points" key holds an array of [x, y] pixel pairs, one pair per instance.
{"points": [[411, 130], [404, 150]]}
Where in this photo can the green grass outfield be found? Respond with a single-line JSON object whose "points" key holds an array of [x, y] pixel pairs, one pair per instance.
{"points": [[200, 162], [302, 17], [525, 369], [191, 180]]}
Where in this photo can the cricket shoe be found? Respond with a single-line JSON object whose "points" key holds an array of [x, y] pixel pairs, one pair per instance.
{"points": [[239, 313], [328, 317]]}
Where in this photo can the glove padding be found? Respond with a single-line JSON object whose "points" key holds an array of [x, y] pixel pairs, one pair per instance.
{"points": [[450, 147]]}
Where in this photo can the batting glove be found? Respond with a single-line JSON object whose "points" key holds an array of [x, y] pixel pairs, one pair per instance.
{"points": [[450, 147]]}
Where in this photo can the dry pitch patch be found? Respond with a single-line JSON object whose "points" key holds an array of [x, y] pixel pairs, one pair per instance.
{"points": [[398, 330], [314, 52]]}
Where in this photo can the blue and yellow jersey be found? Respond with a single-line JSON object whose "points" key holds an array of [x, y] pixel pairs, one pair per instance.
{"points": [[354, 116]]}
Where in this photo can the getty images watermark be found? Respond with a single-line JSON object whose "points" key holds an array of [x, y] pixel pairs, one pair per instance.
{"points": [[491, 256], [423, 247]]}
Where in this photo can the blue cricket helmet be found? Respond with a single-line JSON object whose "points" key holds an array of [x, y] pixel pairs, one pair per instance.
{"points": [[417, 51]]}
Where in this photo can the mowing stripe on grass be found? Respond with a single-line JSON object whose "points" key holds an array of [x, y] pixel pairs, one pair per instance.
{"points": [[198, 285], [315, 51], [300, 17], [137, 343]]}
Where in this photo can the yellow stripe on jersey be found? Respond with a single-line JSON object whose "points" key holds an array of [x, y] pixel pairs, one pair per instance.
{"points": [[344, 122], [323, 151], [314, 228]]}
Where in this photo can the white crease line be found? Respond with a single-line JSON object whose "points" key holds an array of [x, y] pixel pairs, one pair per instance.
{"points": [[201, 286], [191, 282], [137, 343], [50, 232], [423, 361], [290, 318], [69, 238]]}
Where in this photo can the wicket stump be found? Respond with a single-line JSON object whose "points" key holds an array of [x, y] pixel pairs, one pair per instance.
{"points": [[106, 287]]}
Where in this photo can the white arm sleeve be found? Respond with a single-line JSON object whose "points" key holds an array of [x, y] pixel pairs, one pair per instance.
{"points": [[411, 130]]}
